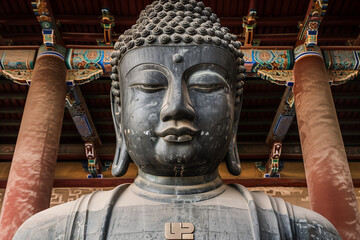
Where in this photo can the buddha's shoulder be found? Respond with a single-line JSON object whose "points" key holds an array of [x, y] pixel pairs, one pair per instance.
{"points": [[58, 222], [297, 221], [69, 220]]}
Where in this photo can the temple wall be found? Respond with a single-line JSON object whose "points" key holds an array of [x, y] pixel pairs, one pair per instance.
{"points": [[292, 170], [294, 195]]}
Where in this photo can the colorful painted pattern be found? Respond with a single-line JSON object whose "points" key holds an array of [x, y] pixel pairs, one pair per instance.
{"points": [[279, 77], [46, 22], [73, 77], [267, 59], [342, 59], [56, 51], [285, 77], [303, 51], [309, 31], [22, 77], [83, 126], [17, 59], [78, 77], [89, 59], [342, 76]]}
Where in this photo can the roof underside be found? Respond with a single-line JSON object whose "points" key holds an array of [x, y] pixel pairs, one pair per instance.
{"points": [[277, 20], [78, 23]]}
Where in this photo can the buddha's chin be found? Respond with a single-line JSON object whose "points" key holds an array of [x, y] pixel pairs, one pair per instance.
{"points": [[178, 154]]}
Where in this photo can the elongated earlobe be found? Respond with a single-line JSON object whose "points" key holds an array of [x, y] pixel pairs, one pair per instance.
{"points": [[121, 160], [232, 158]]}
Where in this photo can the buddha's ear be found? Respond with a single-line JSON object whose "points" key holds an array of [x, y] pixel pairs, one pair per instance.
{"points": [[121, 158], [232, 158]]}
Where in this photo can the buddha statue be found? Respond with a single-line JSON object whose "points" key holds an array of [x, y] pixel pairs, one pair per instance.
{"points": [[176, 96]]}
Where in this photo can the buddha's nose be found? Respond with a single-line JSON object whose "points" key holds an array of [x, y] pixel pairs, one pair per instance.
{"points": [[177, 106]]}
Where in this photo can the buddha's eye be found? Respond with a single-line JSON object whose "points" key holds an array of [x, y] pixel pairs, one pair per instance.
{"points": [[206, 88], [149, 88], [149, 81], [206, 82]]}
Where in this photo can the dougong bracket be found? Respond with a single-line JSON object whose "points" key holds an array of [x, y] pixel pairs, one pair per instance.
{"points": [[94, 165], [107, 23], [249, 23], [44, 15], [309, 27], [273, 165]]}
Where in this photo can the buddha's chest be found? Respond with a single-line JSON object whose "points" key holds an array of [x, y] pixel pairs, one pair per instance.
{"points": [[209, 221]]}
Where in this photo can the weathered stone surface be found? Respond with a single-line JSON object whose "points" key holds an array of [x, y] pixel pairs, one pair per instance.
{"points": [[233, 214]]}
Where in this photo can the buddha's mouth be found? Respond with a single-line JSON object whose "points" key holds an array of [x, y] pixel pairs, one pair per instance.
{"points": [[179, 135], [174, 138]]}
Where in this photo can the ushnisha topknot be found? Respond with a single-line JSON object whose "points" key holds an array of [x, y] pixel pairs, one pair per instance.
{"points": [[177, 22]]}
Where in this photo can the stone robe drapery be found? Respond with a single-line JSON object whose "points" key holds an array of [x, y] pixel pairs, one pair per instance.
{"points": [[128, 212]]}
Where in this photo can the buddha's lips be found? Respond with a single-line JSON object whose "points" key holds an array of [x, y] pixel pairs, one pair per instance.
{"points": [[178, 135], [178, 132]]}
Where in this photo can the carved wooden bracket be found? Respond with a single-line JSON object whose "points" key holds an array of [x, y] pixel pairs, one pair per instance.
{"points": [[286, 78]]}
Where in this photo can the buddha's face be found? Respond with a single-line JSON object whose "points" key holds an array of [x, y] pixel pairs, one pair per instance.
{"points": [[177, 108]]}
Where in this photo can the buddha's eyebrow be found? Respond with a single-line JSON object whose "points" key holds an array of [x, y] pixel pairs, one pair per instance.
{"points": [[148, 76], [207, 69], [145, 67], [211, 78], [206, 72]]}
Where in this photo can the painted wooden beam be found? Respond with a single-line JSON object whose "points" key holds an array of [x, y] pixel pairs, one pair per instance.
{"points": [[82, 119], [28, 20], [283, 118], [308, 33]]}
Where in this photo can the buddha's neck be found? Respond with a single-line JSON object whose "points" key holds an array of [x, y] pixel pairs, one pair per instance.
{"points": [[178, 189]]}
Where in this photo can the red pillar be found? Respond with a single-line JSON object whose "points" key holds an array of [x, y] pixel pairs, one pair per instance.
{"points": [[29, 185], [329, 181]]}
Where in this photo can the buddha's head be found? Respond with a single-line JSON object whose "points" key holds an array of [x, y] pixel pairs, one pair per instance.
{"points": [[176, 92]]}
